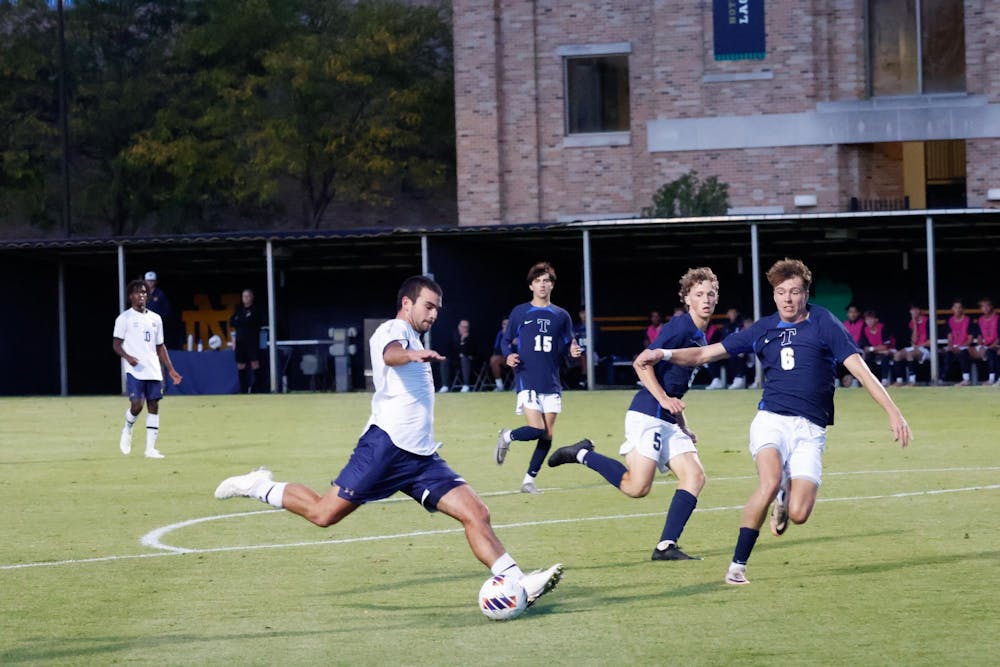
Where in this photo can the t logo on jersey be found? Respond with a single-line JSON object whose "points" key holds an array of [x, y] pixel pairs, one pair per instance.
{"points": [[543, 325], [786, 336]]}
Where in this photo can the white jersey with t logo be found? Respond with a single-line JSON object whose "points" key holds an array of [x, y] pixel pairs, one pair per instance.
{"points": [[140, 334]]}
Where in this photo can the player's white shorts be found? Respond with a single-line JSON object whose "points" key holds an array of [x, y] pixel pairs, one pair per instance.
{"points": [[530, 399], [925, 354], [655, 439], [799, 442]]}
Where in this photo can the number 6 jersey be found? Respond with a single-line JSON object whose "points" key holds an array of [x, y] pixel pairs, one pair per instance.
{"points": [[799, 360]]}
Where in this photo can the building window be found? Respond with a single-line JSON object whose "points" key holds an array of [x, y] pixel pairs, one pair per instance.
{"points": [[916, 47], [596, 93]]}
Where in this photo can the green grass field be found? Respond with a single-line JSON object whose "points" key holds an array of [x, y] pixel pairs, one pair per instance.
{"points": [[898, 564]]}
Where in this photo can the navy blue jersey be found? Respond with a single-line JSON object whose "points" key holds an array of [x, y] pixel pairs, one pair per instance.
{"points": [[680, 331], [799, 360], [543, 336]]}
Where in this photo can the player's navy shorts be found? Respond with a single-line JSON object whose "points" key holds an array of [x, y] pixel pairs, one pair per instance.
{"points": [[151, 390], [378, 468]]}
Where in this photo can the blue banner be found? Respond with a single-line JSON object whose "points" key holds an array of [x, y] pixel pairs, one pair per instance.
{"points": [[739, 29]]}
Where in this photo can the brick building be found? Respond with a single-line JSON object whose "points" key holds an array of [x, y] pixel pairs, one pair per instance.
{"points": [[575, 111]]}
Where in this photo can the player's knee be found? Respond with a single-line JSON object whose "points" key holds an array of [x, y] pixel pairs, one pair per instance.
{"points": [[635, 489]]}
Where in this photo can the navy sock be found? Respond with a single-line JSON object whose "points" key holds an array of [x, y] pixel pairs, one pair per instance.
{"points": [[608, 468], [680, 510], [538, 457], [744, 545], [527, 433]]}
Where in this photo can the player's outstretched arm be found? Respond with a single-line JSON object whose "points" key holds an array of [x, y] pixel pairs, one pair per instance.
{"points": [[901, 432], [397, 355], [685, 356]]}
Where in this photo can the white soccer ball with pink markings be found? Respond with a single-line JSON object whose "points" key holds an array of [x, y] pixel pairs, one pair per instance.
{"points": [[502, 598]]}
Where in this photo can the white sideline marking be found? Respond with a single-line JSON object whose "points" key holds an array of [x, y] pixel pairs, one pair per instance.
{"points": [[152, 539]]}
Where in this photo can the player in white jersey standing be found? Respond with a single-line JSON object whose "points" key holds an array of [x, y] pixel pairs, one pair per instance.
{"points": [[138, 340], [397, 450]]}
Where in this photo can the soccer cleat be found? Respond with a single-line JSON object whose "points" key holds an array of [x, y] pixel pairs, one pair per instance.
{"points": [[737, 575], [154, 454], [503, 444], [241, 485], [529, 487], [538, 583], [739, 382], [125, 443], [569, 453], [672, 552], [716, 383], [779, 515]]}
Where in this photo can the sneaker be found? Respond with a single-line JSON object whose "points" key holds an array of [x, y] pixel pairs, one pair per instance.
{"points": [[885, 382], [738, 383], [466, 389], [538, 583], [241, 485], [717, 383], [568, 453], [753, 385], [154, 454], [443, 390], [503, 444], [737, 575], [963, 383], [779, 515], [672, 552], [125, 443], [529, 487]]}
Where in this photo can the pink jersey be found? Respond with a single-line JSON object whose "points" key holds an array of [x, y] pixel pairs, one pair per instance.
{"points": [[959, 329], [876, 336], [988, 330], [918, 332], [854, 328]]}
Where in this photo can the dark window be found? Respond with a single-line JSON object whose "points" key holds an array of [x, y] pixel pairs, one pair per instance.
{"points": [[597, 94], [903, 64]]}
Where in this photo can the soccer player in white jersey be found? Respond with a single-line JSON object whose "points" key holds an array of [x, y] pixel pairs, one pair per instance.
{"points": [[138, 340], [799, 347], [397, 450]]}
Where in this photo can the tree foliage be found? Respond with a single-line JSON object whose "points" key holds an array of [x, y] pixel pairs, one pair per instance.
{"points": [[688, 196], [188, 115]]}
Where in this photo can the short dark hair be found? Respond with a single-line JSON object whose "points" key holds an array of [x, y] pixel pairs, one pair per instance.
{"points": [[412, 286], [134, 286], [540, 269]]}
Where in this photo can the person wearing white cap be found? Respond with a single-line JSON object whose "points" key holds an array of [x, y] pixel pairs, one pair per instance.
{"points": [[157, 300]]}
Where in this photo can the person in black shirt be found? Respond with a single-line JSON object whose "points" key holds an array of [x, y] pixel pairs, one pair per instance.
{"points": [[246, 323]]}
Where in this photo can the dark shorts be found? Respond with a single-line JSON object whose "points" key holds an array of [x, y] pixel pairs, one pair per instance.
{"points": [[151, 390], [378, 468], [247, 353]]}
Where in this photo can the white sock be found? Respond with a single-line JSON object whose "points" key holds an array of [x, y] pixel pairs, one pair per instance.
{"points": [[152, 430], [527, 478], [582, 454], [272, 493], [499, 383], [506, 565], [130, 418], [662, 546]]}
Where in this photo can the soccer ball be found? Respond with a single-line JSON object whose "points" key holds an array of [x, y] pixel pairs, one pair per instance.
{"points": [[215, 342], [502, 598]]}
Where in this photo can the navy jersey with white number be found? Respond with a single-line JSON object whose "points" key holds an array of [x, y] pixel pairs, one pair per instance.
{"points": [[543, 336], [799, 360], [680, 331]]}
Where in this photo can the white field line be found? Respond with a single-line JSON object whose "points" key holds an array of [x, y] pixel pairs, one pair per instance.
{"points": [[153, 538]]}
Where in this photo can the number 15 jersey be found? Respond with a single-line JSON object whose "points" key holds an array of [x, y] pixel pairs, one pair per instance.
{"points": [[799, 360], [543, 335]]}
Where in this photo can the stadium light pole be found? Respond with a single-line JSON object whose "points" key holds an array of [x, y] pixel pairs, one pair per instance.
{"points": [[63, 122]]}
